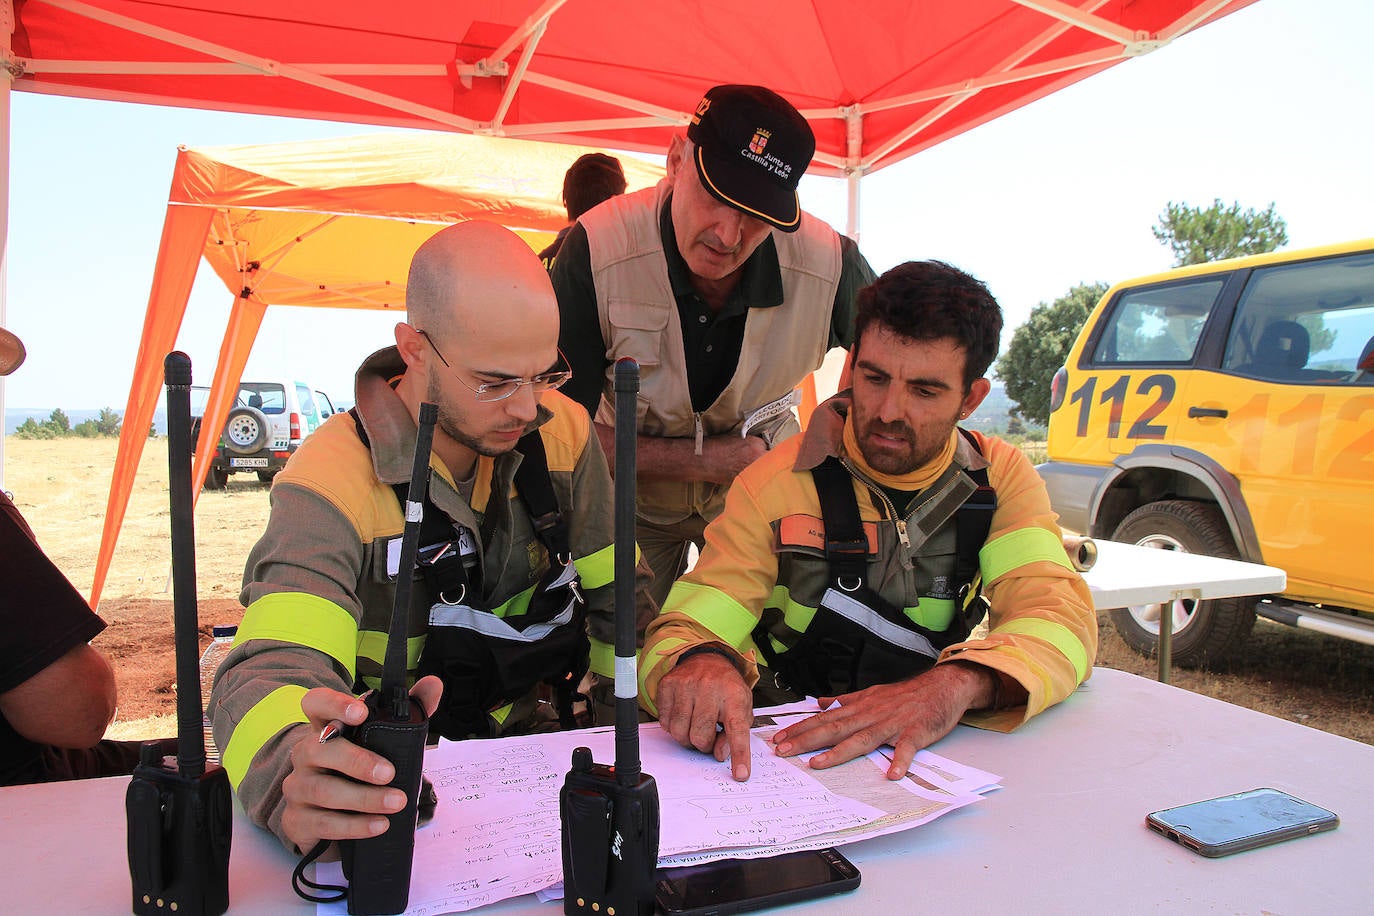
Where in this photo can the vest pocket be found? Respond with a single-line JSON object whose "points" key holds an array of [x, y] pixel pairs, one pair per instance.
{"points": [[638, 330]]}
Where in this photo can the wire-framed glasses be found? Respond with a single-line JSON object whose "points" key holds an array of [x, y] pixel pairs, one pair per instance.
{"points": [[504, 388]]}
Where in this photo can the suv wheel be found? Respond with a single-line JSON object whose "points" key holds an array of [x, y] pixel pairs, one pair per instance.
{"points": [[217, 479], [1203, 631], [247, 431]]}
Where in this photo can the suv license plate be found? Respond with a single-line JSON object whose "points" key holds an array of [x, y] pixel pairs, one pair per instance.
{"points": [[248, 462]]}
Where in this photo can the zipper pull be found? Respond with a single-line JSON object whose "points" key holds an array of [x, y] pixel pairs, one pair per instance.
{"points": [[901, 533], [700, 432]]}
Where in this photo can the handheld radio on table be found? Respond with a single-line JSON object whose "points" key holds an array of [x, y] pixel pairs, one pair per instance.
{"points": [[610, 813], [378, 868], [180, 818]]}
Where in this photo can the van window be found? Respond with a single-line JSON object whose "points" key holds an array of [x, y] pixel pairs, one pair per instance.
{"points": [[307, 401], [1160, 324], [1309, 323], [268, 397]]}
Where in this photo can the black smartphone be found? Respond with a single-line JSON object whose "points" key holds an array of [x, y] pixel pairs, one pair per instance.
{"points": [[741, 885], [1245, 820]]}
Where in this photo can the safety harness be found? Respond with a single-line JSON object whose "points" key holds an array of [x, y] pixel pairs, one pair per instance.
{"points": [[857, 638], [485, 661]]}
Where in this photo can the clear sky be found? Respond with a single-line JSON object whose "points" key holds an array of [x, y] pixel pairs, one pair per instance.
{"points": [[1270, 104]]}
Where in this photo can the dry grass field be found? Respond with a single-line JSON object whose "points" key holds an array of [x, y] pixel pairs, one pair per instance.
{"points": [[61, 487]]}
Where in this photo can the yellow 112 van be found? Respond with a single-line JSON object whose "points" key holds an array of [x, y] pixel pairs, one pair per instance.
{"points": [[1228, 409]]}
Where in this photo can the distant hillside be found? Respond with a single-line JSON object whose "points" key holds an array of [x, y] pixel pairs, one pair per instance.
{"points": [[992, 415], [16, 415]]}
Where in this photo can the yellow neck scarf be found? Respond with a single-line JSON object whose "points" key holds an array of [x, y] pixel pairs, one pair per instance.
{"points": [[918, 479]]}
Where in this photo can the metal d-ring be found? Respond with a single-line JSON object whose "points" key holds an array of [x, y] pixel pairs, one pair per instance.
{"points": [[858, 584], [462, 593]]}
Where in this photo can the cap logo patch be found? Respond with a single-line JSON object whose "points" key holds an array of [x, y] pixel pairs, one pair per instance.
{"points": [[755, 153]]}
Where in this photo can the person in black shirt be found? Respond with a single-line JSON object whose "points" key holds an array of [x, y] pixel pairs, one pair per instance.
{"points": [[594, 177], [57, 693]]}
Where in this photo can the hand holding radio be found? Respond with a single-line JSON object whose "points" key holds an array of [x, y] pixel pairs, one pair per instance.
{"points": [[336, 789]]}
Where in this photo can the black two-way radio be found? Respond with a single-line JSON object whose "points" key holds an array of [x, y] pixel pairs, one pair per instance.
{"points": [[378, 868], [610, 813], [180, 818]]}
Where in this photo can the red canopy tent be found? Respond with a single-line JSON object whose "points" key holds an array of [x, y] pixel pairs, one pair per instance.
{"points": [[879, 80]]}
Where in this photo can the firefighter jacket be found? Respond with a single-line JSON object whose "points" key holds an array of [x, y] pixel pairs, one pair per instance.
{"points": [[764, 560], [320, 583], [639, 318]]}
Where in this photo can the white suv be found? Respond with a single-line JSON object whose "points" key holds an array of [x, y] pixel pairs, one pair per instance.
{"points": [[266, 424]]}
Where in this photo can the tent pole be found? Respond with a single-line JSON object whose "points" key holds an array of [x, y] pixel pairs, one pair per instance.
{"points": [[851, 219], [854, 148], [6, 80]]}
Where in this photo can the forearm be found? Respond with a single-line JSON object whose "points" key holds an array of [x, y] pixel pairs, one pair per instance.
{"points": [[658, 458]]}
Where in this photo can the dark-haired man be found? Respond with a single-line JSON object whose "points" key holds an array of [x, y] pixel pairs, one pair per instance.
{"points": [[858, 558], [592, 178], [726, 293]]}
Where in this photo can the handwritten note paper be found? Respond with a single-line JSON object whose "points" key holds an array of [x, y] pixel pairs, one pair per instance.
{"points": [[496, 833]]}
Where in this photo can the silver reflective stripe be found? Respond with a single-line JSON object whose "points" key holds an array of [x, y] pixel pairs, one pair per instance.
{"points": [[873, 622], [566, 575], [488, 624], [626, 677]]}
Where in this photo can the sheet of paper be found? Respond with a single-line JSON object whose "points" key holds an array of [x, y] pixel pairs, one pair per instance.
{"points": [[496, 833]]}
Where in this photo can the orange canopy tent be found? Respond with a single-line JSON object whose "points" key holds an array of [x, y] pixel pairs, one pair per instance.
{"points": [[330, 223]]}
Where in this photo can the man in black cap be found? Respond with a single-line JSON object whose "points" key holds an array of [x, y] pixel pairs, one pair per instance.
{"points": [[725, 292], [594, 177]]}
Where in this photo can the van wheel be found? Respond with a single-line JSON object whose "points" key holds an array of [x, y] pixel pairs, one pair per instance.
{"points": [[217, 479], [1203, 631], [246, 431], [266, 476]]}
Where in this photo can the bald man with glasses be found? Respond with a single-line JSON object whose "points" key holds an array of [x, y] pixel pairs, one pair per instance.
{"points": [[513, 589]]}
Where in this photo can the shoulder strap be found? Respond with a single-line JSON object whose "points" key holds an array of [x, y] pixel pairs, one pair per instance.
{"points": [[973, 521], [535, 486], [846, 547]]}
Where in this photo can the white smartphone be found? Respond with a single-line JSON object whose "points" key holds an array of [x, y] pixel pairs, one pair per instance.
{"points": [[1245, 820]]}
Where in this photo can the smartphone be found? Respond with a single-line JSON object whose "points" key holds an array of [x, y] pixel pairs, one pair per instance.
{"points": [[1232, 823], [741, 885]]}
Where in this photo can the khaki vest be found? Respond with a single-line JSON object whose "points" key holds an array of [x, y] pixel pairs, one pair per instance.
{"points": [[639, 318]]}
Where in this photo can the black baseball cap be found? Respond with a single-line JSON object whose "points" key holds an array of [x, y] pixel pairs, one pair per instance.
{"points": [[752, 148]]}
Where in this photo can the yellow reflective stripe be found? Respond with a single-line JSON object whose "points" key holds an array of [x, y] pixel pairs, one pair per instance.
{"points": [[306, 620], [372, 645], [603, 658], [277, 710], [1056, 634], [795, 615], [933, 613], [502, 714], [598, 569], [1017, 548], [713, 609], [372, 683]]}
